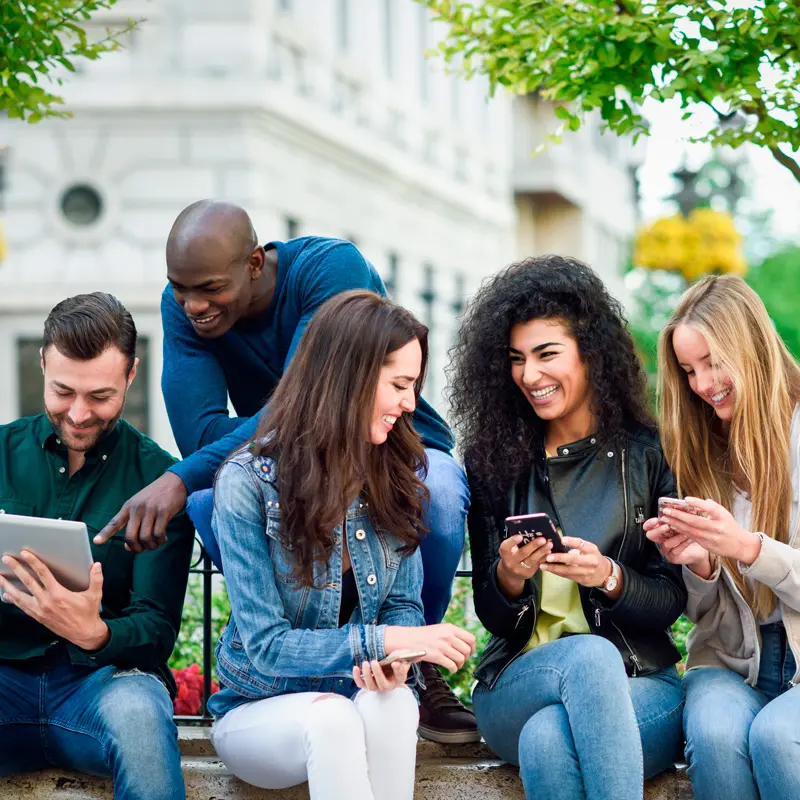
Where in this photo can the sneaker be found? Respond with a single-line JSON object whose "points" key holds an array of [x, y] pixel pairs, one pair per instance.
{"points": [[442, 718]]}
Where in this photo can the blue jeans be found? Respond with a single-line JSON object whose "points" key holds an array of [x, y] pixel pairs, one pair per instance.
{"points": [[104, 721], [567, 714], [744, 742], [441, 549]]}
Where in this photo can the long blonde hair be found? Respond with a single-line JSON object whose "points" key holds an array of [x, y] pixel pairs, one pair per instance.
{"points": [[703, 455]]}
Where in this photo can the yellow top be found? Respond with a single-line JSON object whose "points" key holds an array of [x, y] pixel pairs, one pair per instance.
{"points": [[560, 610]]}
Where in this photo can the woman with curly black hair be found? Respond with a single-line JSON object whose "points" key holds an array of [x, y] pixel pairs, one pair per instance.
{"points": [[577, 685]]}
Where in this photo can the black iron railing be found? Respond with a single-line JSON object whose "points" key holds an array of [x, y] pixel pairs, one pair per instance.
{"points": [[202, 565]]}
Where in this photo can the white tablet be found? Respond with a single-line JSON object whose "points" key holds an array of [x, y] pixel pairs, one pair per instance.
{"points": [[62, 544]]}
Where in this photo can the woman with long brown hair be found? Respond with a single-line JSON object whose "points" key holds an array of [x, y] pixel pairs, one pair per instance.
{"points": [[730, 424], [319, 521]]}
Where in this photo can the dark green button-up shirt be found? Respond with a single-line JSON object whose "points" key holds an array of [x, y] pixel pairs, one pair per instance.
{"points": [[143, 594]]}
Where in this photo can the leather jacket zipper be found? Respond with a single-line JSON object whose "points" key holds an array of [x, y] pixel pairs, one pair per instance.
{"points": [[637, 667], [531, 604]]}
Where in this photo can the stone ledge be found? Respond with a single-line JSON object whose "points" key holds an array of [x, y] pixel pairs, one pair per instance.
{"points": [[444, 772]]}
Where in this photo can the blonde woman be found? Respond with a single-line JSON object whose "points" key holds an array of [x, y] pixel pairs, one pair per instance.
{"points": [[730, 427]]}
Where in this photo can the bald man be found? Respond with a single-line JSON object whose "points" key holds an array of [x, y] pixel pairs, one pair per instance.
{"points": [[233, 314]]}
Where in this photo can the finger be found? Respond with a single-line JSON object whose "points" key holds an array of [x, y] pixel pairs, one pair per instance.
{"points": [[146, 526], [358, 679], [443, 661], [369, 678], [39, 567], [565, 571], [707, 506], [25, 577], [160, 527], [381, 680], [700, 523], [581, 545], [15, 597], [132, 531], [466, 636], [651, 523], [454, 655], [661, 532], [684, 524], [460, 645], [535, 551], [400, 670], [114, 525], [507, 546], [96, 580]]}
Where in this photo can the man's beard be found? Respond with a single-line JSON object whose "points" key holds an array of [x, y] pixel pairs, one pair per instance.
{"points": [[99, 430]]}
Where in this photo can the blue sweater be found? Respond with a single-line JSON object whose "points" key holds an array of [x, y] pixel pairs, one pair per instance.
{"points": [[247, 362]]}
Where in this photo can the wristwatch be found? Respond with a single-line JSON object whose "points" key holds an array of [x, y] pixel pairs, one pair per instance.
{"points": [[612, 581]]}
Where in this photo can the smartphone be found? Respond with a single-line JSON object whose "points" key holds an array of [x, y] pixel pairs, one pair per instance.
{"points": [[681, 505], [403, 655], [532, 526]]}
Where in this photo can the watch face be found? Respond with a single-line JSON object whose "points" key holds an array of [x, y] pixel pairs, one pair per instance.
{"points": [[611, 583]]}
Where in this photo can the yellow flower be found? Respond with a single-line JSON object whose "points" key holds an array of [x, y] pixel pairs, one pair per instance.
{"points": [[706, 242]]}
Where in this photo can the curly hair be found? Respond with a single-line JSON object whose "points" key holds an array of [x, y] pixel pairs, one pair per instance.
{"points": [[498, 430]]}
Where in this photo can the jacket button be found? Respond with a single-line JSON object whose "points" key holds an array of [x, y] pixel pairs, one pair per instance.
{"points": [[360, 534], [593, 440], [565, 452], [371, 580], [610, 454]]}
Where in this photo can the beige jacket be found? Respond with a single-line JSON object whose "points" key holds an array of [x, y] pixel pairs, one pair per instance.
{"points": [[726, 633]]}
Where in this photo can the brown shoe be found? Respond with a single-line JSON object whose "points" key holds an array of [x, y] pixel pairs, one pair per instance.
{"points": [[442, 718]]}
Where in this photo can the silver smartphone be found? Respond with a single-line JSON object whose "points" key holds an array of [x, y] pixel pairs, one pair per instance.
{"points": [[62, 544]]}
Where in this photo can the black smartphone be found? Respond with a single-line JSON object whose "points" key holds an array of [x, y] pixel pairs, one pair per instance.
{"points": [[532, 526]]}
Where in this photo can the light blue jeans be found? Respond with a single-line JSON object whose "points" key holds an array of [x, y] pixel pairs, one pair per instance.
{"points": [[441, 549], [567, 714], [743, 743], [104, 721]]}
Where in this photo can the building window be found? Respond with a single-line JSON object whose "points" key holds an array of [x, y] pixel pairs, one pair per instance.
{"points": [[343, 26], [428, 294], [459, 295], [390, 280], [82, 204], [292, 227], [388, 37], [137, 405]]}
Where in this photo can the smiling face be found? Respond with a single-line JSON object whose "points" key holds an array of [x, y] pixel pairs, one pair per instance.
{"points": [[213, 283], [547, 367], [706, 380], [84, 399], [395, 395]]}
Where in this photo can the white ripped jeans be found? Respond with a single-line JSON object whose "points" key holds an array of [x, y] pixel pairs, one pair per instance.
{"points": [[365, 747]]}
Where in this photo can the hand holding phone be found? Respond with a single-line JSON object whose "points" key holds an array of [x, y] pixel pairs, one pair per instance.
{"points": [[409, 656], [681, 505], [533, 526]]}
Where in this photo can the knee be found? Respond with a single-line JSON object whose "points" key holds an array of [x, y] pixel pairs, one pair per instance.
{"points": [[543, 741], [773, 738], [713, 736], [333, 718], [136, 703], [596, 656], [396, 711]]}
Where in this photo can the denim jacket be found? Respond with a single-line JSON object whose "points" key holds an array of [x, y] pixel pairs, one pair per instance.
{"points": [[284, 637]]}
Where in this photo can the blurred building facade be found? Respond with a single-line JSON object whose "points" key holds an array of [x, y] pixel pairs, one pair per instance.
{"points": [[318, 118]]}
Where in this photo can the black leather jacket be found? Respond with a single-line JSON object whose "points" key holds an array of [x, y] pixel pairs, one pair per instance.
{"points": [[602, 494]]}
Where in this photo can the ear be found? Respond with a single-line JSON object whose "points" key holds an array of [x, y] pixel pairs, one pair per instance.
{"points": [[132, 373], [256, 263], [41, 359]]}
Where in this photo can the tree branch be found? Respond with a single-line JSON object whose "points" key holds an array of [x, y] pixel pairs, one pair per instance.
{"points": [[785, 161]]}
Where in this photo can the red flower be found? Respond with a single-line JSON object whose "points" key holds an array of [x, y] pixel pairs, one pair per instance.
{"points": [[189, 699]]}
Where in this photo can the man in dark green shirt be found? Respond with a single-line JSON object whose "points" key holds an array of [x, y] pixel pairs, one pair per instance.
{"points": [[84, 674]]}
